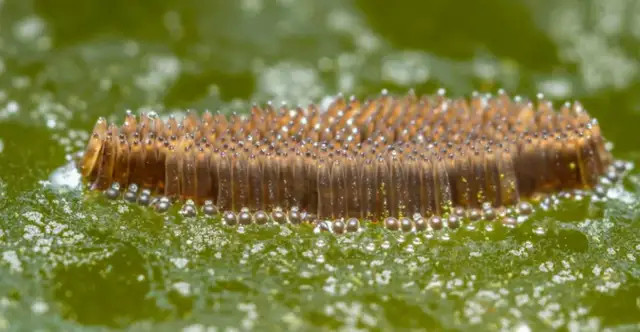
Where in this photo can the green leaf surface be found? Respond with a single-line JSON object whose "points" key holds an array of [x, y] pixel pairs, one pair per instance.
{"points": [[72, 260]]}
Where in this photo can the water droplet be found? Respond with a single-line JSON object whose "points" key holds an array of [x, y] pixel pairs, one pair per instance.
{"points": [[539, 231], [230, 218], [370, 246]]}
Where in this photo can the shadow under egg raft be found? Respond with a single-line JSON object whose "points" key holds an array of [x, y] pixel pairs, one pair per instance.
{"points": [[396, 160]]}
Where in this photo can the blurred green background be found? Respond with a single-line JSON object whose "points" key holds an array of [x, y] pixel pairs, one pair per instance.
{"points": [[73, 261]]}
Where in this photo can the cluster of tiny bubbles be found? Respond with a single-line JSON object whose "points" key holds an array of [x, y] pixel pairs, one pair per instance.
{"points": [[614, 176], [416, 224], [338, 226], [460, 217], [134, 195]]}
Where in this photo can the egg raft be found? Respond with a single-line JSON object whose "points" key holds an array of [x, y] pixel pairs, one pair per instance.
{"points": [[393, 159]]}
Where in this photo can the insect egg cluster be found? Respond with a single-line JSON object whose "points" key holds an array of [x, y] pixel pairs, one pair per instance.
{"points": [[408, 162]]}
